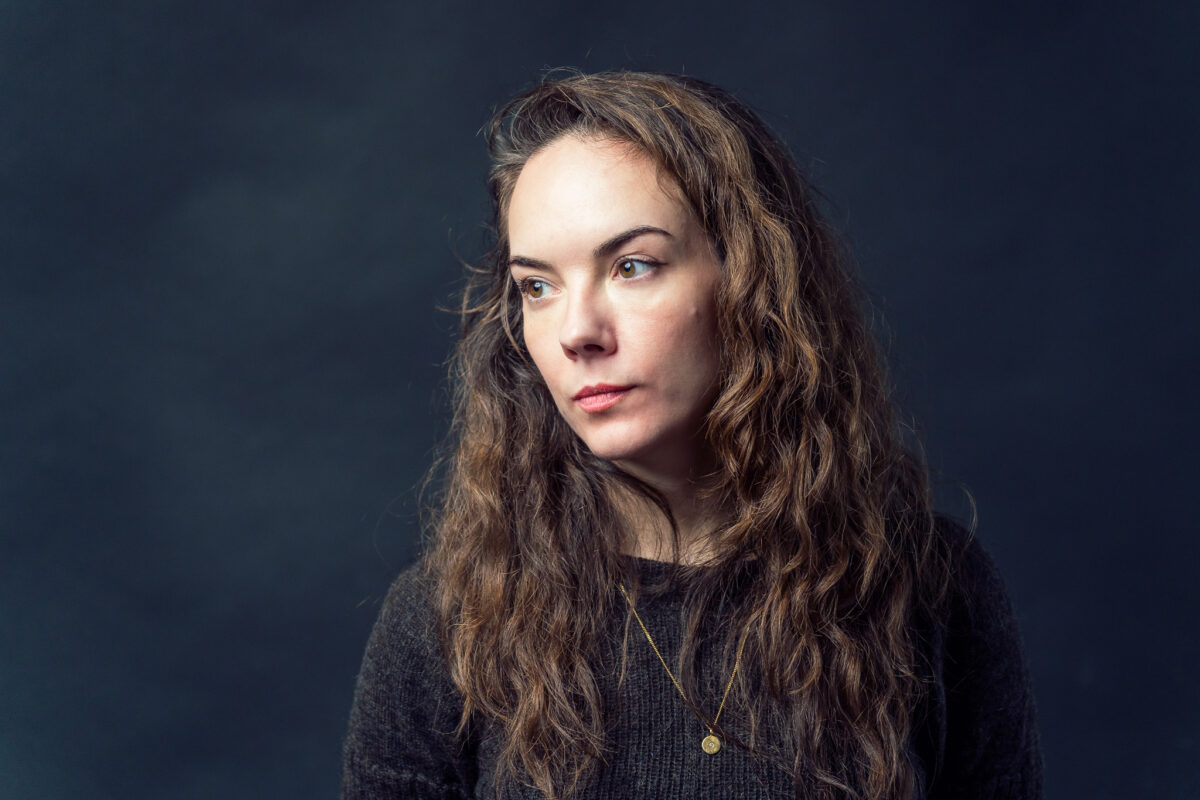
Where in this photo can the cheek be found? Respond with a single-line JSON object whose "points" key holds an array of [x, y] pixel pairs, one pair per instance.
{"points": [[541, 348], [704, 346], [684, 343]]}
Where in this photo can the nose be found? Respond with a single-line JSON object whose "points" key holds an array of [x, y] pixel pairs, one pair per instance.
{"points": [[586, 329]]}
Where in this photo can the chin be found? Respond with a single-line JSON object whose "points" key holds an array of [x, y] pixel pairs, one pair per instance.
{"points": [[617, 447], [643, 455], [617, 453]]}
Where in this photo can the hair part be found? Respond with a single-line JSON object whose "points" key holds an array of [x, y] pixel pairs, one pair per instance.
{"points": [[828, 523]]}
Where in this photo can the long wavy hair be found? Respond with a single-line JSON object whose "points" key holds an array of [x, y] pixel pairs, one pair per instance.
{"points": [[827, 524]]}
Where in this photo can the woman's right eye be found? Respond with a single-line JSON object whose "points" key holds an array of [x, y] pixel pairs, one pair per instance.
{"points": [[532, 288]]}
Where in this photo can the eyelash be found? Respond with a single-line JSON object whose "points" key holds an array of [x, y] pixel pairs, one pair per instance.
{"points": [[525, 285]]}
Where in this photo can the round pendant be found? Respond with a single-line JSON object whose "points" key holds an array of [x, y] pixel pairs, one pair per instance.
{"points": [[711, 744]]}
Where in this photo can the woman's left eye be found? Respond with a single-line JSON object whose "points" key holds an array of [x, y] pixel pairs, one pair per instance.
{"points": [[633, 267]]}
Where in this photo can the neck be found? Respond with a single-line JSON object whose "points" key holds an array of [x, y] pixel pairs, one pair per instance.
{"points": [[696, 518]]}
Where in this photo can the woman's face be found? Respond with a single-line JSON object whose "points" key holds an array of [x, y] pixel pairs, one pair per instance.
{"points": [[618, 283]]}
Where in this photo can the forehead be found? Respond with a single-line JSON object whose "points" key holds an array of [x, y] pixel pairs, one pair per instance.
{"points": [[586, 189]]}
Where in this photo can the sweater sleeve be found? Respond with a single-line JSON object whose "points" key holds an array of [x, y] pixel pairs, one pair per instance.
{"points": [[989, 734], [401, 741]]}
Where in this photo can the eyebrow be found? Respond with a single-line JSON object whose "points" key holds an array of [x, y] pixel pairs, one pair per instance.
{"points": [[605, 248]]}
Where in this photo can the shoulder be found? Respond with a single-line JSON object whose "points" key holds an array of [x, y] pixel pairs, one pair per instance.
{"points": [[978, 616], [988, 734], [974, 584], [407, 610], [402, 736], [405, 636]]}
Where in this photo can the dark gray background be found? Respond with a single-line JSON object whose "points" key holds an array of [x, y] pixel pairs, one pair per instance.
{"points": [[224, 234]]}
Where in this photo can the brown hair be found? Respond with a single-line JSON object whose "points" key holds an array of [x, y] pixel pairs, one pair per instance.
{"points": [[829, 527]]}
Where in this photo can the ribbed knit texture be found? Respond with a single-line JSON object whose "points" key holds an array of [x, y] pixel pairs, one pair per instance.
{"points": [[978, 738]]}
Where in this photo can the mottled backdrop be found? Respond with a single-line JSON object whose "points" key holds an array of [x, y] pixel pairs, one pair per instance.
{"points": [[225, 232]]}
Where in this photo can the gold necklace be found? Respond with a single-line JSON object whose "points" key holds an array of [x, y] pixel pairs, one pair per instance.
{"points": [[711, 744]]}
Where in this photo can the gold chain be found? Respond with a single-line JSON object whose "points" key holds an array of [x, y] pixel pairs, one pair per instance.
{"points": [[711, 743]]}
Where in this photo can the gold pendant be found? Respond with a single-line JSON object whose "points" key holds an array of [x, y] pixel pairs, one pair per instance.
{"points": [[711, 744]]}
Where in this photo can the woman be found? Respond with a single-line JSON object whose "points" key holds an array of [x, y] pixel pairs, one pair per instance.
{"points": [[681, 549]]}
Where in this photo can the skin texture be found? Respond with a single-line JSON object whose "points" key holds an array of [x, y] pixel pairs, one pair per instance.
{"points": [[638, 313]]}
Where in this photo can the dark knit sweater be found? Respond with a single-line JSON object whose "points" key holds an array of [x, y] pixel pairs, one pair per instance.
{"points": [[976, 735]]}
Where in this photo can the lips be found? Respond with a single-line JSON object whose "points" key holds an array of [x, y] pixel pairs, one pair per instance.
{"points": [[599, 397]]}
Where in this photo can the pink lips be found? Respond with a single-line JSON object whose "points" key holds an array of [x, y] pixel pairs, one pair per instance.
{"points": [[599, 397]]}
